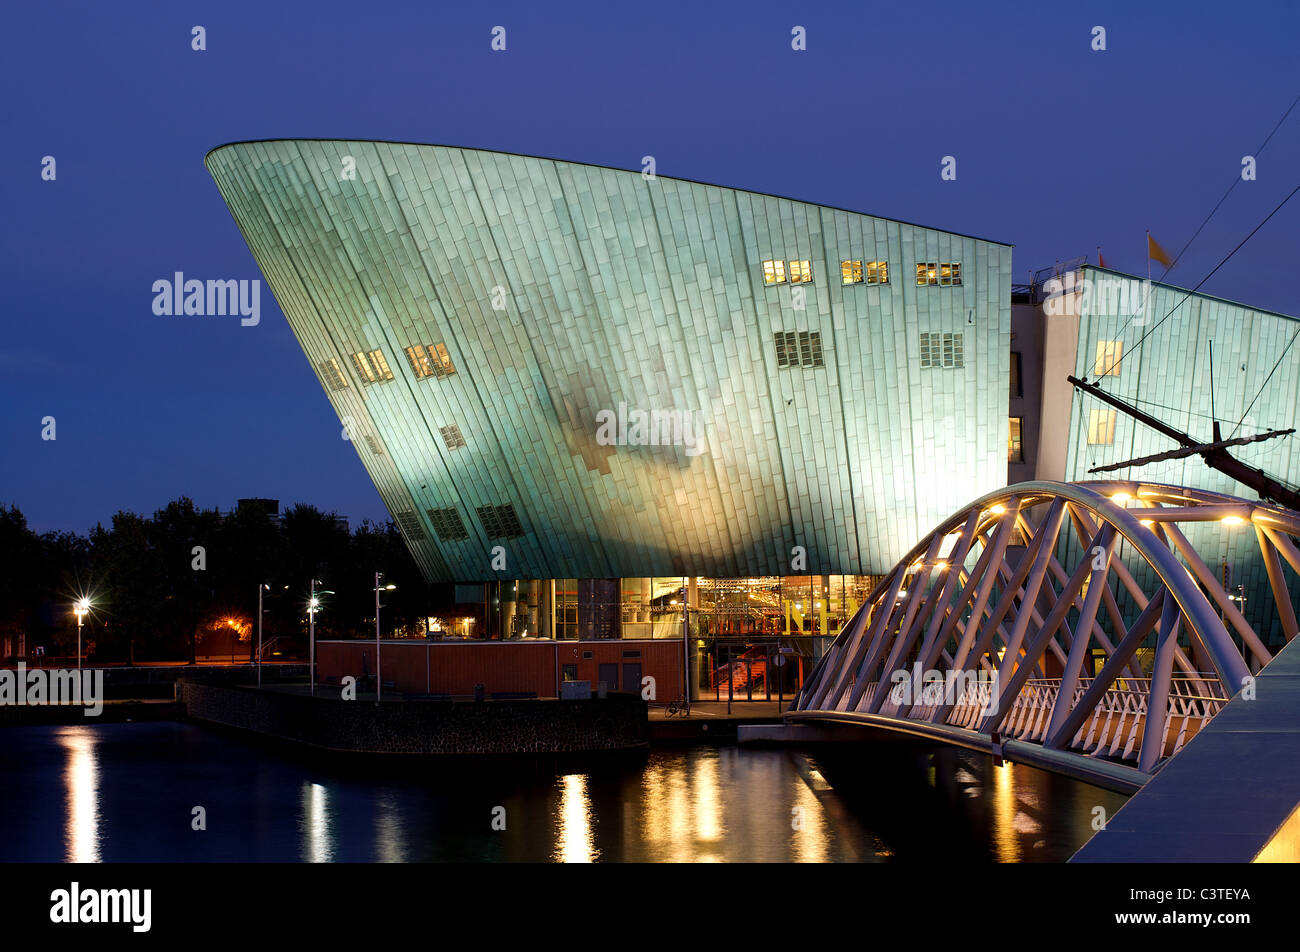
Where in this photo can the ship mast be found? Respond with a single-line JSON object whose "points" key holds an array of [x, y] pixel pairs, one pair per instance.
{"points": [[1215, 453]]}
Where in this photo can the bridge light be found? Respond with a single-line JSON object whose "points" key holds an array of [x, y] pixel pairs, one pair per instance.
{"points": [[998, 509], [1147, 522], [1122, 499], [941, 565], [1232, 520]]}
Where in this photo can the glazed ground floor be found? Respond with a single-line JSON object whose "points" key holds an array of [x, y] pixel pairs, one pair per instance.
{"points": [[748, 638]]}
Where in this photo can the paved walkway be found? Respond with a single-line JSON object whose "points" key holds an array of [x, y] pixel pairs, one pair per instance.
{"points": [[713, 710]]}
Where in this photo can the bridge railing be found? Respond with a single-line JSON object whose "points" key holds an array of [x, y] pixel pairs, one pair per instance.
{"points": [[1114, 730]]}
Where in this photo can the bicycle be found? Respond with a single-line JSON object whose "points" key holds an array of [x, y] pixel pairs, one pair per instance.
{"points": [[680, 706]]}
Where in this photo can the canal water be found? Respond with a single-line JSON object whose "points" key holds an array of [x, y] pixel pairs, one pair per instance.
{"points": [[129, 792]]}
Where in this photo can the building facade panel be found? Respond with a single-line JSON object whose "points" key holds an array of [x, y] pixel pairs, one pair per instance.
{"points": [[1152, 349], [847, 418]]}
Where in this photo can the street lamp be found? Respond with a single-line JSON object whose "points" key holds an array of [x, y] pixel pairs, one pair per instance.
{"points": [[379, 684], [80, 609], [262, 587], [312, 606]]}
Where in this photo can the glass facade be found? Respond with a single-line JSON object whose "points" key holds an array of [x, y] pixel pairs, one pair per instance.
{"points": [[743, 635]]}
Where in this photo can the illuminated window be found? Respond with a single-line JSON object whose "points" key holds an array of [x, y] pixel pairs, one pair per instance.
{"points": [[774, 272], [941, 351], [877, 272], [799, 349], [927, 272], [1109, 354], [381, 365], [1015, 450], [372, 367], [448, 525], [442, 365], [419, 361], [333, 374], [431, 361], [364, 370], [949, 274], [1101, 427], [800, 272], [1015, 374], [451, 435], [851, 271]]}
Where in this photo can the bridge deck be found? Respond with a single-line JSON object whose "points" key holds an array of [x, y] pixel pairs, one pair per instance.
{"points": [[1101, 773]]}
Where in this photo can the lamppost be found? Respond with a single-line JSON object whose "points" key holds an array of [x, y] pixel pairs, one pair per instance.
{"points": [[379, 684], [262, 587], [80, 609], [312, 606]]}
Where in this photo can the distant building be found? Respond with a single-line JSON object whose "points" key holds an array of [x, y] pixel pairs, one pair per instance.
{"points": [[272, 508]]}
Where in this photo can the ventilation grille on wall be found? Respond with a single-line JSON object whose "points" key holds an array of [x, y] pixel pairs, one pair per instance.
{"points": [[451, 435], [799, 349], [941, 351], [448, 525], [409, 523], [500, 522]]}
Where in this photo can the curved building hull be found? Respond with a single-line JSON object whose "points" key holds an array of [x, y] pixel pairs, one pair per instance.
{"points": [[490, 328]]}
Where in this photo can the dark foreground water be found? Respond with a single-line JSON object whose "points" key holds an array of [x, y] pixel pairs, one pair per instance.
{"points": [[127, 792]]}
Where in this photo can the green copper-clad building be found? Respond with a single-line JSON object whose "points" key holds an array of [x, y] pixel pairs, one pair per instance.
{"points": [[611, 374]]}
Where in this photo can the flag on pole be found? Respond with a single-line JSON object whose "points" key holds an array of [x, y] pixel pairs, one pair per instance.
{"points": [[1156, 253], [1101, 262]]}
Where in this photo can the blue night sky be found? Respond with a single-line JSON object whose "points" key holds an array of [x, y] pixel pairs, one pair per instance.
{"points": [[1059, 149]]}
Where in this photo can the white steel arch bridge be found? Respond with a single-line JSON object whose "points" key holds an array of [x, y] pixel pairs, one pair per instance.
{"points": [[1101, 668]]}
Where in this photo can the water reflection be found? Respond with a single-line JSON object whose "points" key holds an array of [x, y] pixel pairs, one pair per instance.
{"points": [[314, 822], [573, 834], [1005, 842], [97, 793], [81, 781], [389, 833]]}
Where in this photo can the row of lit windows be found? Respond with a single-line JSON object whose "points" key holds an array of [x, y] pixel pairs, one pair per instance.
{"points": [[1101, 432], [800, 272], [372, 367], [875, 272], [856, 271], [941, 351], [943, 274], [431, 361]]}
